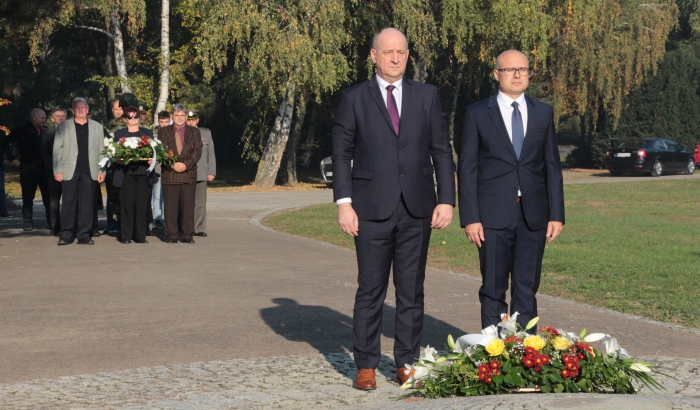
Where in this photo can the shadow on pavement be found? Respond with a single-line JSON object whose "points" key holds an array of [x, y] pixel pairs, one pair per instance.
{"points": [[330, 332]]}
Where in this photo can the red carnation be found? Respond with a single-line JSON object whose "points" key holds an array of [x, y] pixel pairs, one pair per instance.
{"points": [[552, 331], [530, 350], [495, 364], [513, 339], [122, 140]]}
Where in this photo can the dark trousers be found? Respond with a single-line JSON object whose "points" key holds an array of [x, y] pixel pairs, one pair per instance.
{"points": [[54, 202], [178, 199], [29, 178], [134, 201], [516, 253], [111, 222], [78, 202], [401, 240]]}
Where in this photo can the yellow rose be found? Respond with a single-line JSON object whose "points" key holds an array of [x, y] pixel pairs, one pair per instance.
{"points": [[534, 342], [495, 347], [560, 343]]}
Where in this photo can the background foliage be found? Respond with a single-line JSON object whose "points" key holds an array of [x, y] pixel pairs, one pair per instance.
{"points": [[611, 68]]}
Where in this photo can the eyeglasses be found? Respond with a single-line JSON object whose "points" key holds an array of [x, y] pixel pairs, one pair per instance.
{"points": [[511, 71], [132, 116]]}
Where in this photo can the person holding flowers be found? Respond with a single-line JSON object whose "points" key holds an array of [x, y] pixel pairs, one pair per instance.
{"points": [[134, 179]]}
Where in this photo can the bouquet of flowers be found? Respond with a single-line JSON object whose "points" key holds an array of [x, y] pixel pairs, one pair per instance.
{"points": [[132, 149], [510, 360]]}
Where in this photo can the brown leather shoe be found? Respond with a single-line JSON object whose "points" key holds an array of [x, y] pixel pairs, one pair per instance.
{"points": [[365, 380], [402, 375]]}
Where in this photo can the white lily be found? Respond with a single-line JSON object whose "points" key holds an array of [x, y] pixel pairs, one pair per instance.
{"points": [[487, 335], [508, 325], [594, 337], [569, 335], [429, 354], [107, 141], [415, 373], [611, 346]]}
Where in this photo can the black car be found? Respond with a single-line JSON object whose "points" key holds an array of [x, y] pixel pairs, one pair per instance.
{"points": [[653, 156]]}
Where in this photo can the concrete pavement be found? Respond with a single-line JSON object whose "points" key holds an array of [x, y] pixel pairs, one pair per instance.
{"points": [[246, 318]]}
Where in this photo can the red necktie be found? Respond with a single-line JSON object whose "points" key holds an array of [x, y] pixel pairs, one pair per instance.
{"points": [[391, 107]]}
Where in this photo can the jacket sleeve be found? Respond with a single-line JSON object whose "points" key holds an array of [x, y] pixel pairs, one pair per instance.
{"points": [[467, 171], [58, 142], [196, 154], [555, 180], [441, 153], [9, 139], [343, 138], [212, 157], [46, 146]]}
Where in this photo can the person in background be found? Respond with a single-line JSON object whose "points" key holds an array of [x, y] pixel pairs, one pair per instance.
{"points": [[77, 151], [117, 112], [134, 181], [48, 135], [3, 195], [206, 171], [180, 179], [114, 125], [157, 197], [32, 170]]}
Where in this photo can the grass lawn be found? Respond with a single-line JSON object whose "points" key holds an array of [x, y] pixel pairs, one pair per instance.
{"points": [[630, 247]]}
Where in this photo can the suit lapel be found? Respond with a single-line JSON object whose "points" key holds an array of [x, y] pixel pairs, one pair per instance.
{"points": [[531, 116], [73, 134], [498, 122], [379, 100], [407, 97]]}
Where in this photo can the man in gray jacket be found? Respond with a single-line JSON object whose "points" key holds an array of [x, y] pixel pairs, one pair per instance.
{"points": [[206, 171], [77, 152]]}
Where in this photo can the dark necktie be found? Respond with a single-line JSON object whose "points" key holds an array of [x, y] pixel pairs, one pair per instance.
{"points": [[518, 131], [393, 109]]}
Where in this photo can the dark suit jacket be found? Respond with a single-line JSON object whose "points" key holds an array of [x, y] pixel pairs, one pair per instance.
{"points": [[490, 173], [385, 165], [48, 135], [191, 152], [121, 170]]}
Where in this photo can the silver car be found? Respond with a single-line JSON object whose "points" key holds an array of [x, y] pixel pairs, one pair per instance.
{"points": [[327, 170]]}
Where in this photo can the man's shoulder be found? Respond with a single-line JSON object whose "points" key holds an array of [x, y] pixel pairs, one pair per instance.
{"points": [[205, 132], [353, 90], [538, 104], [419, 86]]}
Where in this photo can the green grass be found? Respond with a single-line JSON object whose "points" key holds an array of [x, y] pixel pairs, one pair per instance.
{"points": [[631, 247]]}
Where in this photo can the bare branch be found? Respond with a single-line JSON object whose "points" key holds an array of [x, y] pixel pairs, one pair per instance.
{"points": [[99, 30]]}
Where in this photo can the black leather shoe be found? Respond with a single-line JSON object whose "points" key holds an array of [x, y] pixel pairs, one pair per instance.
{"points": [[27, 228], [187, 240], [158, 225], [96, 233], [126, 242], [62, 242], [202, 234], [88, 242], [143, 241], [171, 241], [149, 233]]}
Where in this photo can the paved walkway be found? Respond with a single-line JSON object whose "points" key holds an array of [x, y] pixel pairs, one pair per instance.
{"points": [[247, 318]]}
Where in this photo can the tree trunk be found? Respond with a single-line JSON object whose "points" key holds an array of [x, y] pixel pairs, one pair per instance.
{"points": [[453, 110], [420, 69], [293, 142], [164, 60], [109, 71], [119, 50], [310, 143], [274, 148]]}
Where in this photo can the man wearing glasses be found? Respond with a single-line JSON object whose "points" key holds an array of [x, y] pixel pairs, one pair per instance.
{"points": [[511, 195], [76, 154]]}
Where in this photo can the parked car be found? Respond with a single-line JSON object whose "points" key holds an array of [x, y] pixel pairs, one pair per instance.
{"points": [[696, 153], [327, 170], [653, 156]]}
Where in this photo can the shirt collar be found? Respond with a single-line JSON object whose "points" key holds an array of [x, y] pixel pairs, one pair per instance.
{"points": [[383, 84], [508, 102]]}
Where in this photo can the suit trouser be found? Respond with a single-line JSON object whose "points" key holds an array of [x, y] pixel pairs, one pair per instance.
{"points": [[200, 207], [111, 222], [134, 200], [514, 252], [78, 202], [54, 201], [178, 199], [29, 178], [401, 240]]}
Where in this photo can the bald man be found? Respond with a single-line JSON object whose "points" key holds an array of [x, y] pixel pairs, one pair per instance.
{"points": [[32, 169], [389, 138], [511, 194]]}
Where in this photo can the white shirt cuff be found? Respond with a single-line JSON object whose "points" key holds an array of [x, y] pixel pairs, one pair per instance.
{"points": [[343, 201]]}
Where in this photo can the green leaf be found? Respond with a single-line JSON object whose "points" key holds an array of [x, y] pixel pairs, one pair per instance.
{"points": [[546, 388], [497, 380], [583, 333], [532, 323], [450, 342], [558, 388], [583, 385]]}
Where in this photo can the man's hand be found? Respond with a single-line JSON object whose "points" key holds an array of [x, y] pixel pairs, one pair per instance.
{"points": [[179, 167], [347, 219], [15, 162], [442, 216], [553, 230], [475, 233], [210, 177], [100, 178], [59, 177]]}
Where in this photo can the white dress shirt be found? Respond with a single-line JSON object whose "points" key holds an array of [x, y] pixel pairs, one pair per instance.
{"points": [[398, 94], [505, 104]]}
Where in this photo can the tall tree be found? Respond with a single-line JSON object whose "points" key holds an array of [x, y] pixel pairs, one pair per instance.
{"points": [[164, 59]]}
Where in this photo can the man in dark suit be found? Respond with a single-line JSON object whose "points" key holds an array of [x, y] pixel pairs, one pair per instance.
{"points": [[48, 135], [389, 137], [511, 195], [180, 181]]}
